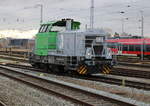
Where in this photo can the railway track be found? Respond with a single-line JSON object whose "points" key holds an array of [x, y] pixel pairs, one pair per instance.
{"points": [[131, 73], [99, 78], [2, 104], [116, 71], [120, 82], [136, 65], [74, 93], [14, 58]]}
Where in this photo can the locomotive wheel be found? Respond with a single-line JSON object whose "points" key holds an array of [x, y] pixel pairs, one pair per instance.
{"points": [[33, 64], [58, 69], [36, 65], [72, 73], [45, 67], [55, 69], [50, 68]]}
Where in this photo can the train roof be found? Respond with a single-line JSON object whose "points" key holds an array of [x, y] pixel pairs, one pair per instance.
{"points": [[130, 41], [89, 31], [60, 22]]}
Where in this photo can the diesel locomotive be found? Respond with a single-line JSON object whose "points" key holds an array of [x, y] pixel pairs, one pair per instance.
{"points": [[61, 46]]}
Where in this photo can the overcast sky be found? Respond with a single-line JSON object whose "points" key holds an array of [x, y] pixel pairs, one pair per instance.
{"points": [[24, 15]]}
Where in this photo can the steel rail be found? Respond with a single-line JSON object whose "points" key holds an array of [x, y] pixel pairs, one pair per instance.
{"points": [[131, 73], [116, 81], [45, 89], [119, 63], [136, 65], [117, 71], [15, 59], [2, 103], [26, 81]]}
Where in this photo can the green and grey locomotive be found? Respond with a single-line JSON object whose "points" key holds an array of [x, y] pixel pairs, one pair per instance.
{"points": [[61, 46]]}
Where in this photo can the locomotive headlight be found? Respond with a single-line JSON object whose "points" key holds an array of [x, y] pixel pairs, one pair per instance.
{"points": [[88, 53], [109, 53]]}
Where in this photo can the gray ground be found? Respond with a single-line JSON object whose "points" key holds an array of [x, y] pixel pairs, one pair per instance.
{"points": [[15, 94], [8, 88]]}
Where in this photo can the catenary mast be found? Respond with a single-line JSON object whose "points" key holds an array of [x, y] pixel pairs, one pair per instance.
{"points": [[92, 15]]}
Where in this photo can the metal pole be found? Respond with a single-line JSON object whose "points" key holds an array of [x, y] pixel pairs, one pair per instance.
{"points": [[122, 21], [142, 36], [41, 13], [41, 10], [92, 15], [122, 25]]}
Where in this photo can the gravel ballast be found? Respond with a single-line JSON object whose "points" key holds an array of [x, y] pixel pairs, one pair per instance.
{"points": [[13, 93], [127, 92]]}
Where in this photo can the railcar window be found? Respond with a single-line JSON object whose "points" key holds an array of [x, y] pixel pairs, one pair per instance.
{"points": [[112, 45], [125, 47], [131, 47], [148, 48], [137, 47], [144, 47]]}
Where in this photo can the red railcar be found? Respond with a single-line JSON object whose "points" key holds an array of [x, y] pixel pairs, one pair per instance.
{"points": [[130, 46]]}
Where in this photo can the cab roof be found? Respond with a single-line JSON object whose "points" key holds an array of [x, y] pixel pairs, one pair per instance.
{"points": [[60, 22]]}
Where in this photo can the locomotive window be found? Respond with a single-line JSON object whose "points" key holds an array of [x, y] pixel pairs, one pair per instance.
{"points": [[41, 29], [44, 28], [47, 30]]}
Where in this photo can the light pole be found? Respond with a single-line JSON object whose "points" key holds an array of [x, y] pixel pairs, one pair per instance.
{"points": [[122, 21], [142, 35], [41, 11], [123, 24], [92, 15]]}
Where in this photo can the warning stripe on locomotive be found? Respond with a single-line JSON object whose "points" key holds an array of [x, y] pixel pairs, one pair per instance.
{"points": [[82, 70]]}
